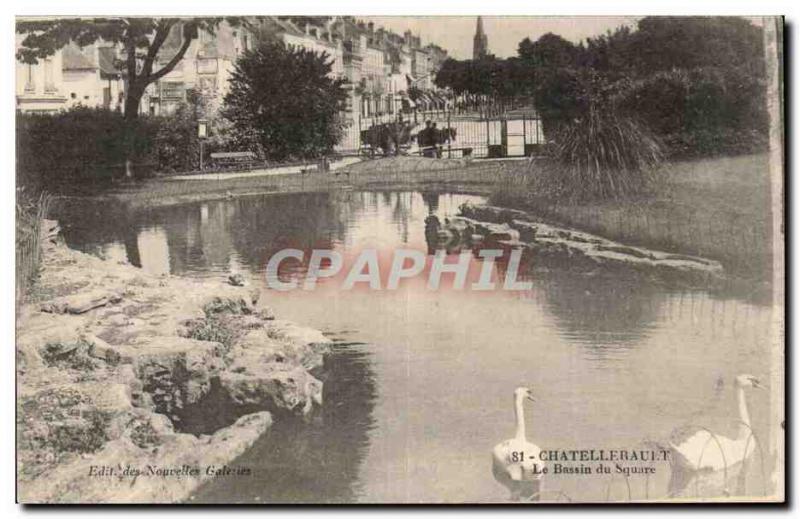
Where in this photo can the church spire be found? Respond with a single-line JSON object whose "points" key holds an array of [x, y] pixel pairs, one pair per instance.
{"points": [[480, 42]]}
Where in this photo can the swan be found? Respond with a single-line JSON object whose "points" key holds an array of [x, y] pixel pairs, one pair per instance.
{"points": [[514, 461], [694, 450]]}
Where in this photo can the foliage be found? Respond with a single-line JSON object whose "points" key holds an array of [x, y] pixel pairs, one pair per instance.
{"points": [[212, 329], [701, 111], [71, 356], [283, 103], [48, 154], [696, 82], [176, 145], [219, 305], [142, 41], [603, 153]]}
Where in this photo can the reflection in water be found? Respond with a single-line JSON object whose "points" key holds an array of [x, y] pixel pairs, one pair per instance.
{"points": [[153, 250], [431, 200], [411, 414], [316, 460], [605, 313]]}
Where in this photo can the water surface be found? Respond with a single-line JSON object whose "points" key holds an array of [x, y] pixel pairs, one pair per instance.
{"points": [[420, 387]]}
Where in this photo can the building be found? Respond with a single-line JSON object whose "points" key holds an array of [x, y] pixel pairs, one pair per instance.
{"points": [[205, 69], [90, 76], [480, 43], [379, 66], [40, 87]]}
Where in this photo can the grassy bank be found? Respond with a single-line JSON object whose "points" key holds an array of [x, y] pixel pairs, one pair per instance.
{"points": [[716, 208]]}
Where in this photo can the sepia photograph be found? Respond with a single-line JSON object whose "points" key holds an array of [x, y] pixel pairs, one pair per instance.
{"points": [[354, 260]]}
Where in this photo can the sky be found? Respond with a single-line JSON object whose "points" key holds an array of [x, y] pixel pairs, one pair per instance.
{"points": [[454, 33]]}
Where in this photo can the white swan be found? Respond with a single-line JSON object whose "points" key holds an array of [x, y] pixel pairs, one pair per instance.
{"points": [[694, 450], [515, 462]]}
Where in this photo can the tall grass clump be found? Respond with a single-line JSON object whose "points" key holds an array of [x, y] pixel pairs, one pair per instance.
{"points": [[603, 155], [599, 149], [30, 213]]}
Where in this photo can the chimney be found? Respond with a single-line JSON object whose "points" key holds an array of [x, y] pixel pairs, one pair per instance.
{"points": [[308, 29], [371, 26]]}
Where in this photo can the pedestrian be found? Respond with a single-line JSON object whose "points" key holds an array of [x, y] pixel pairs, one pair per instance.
{"points": [[426, 139], [434, 140]]}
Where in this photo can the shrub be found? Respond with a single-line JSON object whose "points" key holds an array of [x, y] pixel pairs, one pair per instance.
{"points": [[602, 155], [599, 151], [283, 104], [701, 112], [77, 145], [50, 156]]}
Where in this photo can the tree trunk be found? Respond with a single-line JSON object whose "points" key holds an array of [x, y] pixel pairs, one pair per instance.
{"points": [[132, 101]]}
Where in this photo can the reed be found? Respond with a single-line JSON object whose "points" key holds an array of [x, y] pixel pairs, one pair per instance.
{"points": [[30, 213]]}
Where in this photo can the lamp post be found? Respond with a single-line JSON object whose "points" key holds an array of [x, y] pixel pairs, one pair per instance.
{"points": [[202, 133]]}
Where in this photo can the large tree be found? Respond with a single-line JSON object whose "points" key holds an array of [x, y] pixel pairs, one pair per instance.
{"points": [[141, 41], [284, 103], [144, 58]]}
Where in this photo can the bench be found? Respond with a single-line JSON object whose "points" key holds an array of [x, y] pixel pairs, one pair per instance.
{"points": [[234, 159]]}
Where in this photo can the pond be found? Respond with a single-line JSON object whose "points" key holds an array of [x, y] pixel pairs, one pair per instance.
{"points": [[419, 388]]}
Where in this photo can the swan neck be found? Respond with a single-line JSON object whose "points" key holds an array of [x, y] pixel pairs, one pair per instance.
{"points": [[744, 415], [519, 414]]}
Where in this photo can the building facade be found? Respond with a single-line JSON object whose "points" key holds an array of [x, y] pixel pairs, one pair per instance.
{"points": [[379, 66]]}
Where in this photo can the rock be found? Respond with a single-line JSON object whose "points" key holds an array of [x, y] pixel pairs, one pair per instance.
{"points": [[80, 303], [308, 346], [554, 246], [176, 371], [259, 341], [236, 280], [113, 355], [294, 333], [274, 386], [69, 483]]}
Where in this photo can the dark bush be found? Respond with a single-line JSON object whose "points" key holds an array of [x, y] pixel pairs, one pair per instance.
{"points": [[83, 146], [701, 112], [78, 146]]}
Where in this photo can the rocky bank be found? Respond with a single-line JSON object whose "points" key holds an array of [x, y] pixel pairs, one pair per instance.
{"points": [[119, 372], [560, 247]]}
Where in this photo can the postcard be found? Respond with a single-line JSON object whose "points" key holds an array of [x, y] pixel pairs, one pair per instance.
{"points": [[399, 260]]}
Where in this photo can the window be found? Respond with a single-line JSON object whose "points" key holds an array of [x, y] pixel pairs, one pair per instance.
{"points": [[172, 90], [30, 86], [49, 83], [208, 83]]}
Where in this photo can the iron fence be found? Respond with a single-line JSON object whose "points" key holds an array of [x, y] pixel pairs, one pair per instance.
{"points": [[460, 135]]}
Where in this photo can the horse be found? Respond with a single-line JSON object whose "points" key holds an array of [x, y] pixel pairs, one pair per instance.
{"points": [[445, 135], [388, 137]]}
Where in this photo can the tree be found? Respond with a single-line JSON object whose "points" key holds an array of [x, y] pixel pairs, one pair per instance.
{"points": [[550, 51], [141, 40], [283, 103]]}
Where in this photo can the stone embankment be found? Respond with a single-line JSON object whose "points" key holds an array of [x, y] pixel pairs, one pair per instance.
{"points": [[119, 372], [553, 246]]}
